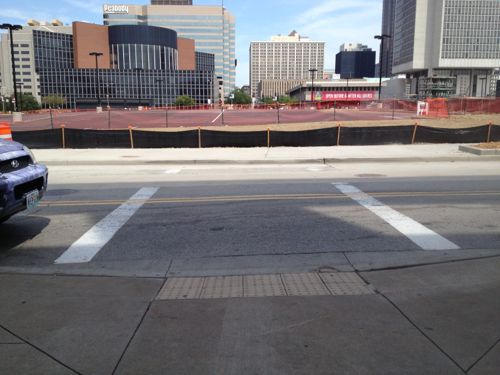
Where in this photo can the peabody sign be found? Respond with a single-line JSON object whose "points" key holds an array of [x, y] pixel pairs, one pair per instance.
{"points": [[116, 9]]}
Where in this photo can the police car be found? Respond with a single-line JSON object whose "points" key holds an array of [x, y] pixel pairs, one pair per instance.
{"points": [[23, 181]]}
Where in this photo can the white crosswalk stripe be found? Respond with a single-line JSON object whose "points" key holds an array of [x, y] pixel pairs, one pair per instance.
{"points": [[87, 246], [416, 232]]}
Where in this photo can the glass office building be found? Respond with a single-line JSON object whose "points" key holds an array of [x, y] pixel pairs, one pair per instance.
{"points": [[24, 55], [143, 47], [211, 27], [125, 87], [139, 65]]}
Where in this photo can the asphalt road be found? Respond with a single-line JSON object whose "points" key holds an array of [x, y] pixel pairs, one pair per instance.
{"points": [[232, 219], [369, 268]]}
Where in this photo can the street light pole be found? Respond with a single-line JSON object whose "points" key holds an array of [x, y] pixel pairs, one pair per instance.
{"points": [[312, 71], [277, 106], [97, 54], [381, 37], [10, 27], [20, 84]]}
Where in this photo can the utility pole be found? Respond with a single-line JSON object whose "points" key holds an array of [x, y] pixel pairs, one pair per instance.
{"points": [[381, 37], [98, 91], [312, 71], [10, 27]]}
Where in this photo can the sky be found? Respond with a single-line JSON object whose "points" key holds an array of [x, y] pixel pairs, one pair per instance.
{"points": [[332, 21]]}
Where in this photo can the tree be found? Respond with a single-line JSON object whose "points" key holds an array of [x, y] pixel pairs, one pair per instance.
{"points": [[286, 100], [53, 101], [267, 100], [28, 103], [184, 101], [241, 98]]}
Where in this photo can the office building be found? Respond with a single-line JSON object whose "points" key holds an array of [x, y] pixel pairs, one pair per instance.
{"points": [[355, 61], [387, 29], [288, 57], [211, 27], [171, 2], [24, 56], [137, 65], [446, 47], [353, 47]]}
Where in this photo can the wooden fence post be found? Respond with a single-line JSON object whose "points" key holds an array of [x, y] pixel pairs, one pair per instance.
{"points": [[131, 136], [414, 133], [63, 137]]}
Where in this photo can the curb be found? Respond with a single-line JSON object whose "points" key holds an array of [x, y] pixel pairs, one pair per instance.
{"points": [[479, 151], [495, 157]]}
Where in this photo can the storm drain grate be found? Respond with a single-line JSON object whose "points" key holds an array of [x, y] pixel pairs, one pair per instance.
{"points": [[274, 285]]}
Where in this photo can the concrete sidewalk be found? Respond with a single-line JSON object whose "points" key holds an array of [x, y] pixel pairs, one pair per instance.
{"points": [[274, 155], [434, 319]]}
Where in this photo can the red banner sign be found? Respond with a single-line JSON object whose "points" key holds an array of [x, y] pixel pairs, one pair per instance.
{"points": [[348, 95]]}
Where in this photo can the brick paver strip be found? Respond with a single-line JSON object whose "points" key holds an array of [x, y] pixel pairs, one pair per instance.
{"points": [[273, 285], [222, 287], [182, 288], [304, 284], [263, 286]]}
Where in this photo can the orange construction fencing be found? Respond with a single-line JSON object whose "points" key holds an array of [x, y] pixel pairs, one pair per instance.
{"points": [[438, 108]]}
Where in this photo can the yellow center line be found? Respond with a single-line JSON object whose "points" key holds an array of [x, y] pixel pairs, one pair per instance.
{"points": [[244, 198]]}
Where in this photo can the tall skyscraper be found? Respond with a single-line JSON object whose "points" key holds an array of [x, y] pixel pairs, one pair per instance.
{"points": [[446, 47], [285, 58], [211, 27], [355, 61], [387, 29]]}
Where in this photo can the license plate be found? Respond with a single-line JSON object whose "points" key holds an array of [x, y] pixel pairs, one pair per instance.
{"points": [[32, 199]]}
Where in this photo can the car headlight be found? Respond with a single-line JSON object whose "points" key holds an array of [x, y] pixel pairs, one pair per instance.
{"points": [[30, 154]]}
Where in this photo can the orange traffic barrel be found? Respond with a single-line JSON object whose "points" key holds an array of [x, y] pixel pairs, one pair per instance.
{"points": [[5, 132]]}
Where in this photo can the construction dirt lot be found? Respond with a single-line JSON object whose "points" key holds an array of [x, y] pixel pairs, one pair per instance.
{"points": [[453, 122], [237, 120]]}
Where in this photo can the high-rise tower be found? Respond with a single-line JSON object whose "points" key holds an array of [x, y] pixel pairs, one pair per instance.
{"points": [[387, 29], [211, 27], [285, 58], [446, 47]]}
